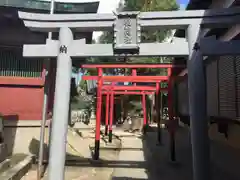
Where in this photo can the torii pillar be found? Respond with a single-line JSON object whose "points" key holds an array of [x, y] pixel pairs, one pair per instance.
{"points": [[197, 106], [61, 107]]}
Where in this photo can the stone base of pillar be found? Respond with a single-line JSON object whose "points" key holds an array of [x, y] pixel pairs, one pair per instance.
{"points": [[92, 121], [3, 152]]}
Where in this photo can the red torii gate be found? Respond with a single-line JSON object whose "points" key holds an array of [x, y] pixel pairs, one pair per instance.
{"points": [[111, 93], [127, 90], [113, 89]]}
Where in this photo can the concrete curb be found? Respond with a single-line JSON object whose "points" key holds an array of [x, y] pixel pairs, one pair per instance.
{"points": [[4, 165], [17, 171], [3, 152]]}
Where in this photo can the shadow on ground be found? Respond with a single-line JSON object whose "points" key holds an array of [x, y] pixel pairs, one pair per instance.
{"points": [[34, 149], [9, 133], [225, 160], [157, 164]]}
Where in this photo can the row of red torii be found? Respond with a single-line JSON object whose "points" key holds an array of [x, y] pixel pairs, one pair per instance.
{"points": [[113, 89]]}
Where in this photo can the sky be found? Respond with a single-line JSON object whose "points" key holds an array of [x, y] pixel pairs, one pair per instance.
{"points": [[182, 3], [110, 5], [107, 6]]}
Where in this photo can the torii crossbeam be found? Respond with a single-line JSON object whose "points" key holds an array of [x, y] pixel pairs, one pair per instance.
{"points": [[128, 78]]}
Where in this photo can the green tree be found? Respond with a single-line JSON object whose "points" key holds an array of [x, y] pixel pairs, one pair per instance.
{"points": [[147, 35], [152, 35]]}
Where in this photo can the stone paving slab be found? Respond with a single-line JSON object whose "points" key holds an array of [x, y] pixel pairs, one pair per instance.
{"points": [[17, 171], [153, 162], [134, 158], [132, 142]]}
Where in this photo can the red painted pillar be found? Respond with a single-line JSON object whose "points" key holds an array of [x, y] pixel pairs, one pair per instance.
{"points": [[111, 115], [98, 115], [170, 98], [171, 116], [144, 113], [158, 115], [107, 113], [134, 73]]}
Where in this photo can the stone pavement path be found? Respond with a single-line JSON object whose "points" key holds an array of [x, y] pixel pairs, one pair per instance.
{"points": [[148, 161], [132, 155], [141, 159]]}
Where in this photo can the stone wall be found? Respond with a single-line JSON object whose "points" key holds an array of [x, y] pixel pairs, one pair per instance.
{"points": [[24, 137], [233, 134], [23, 140]]}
